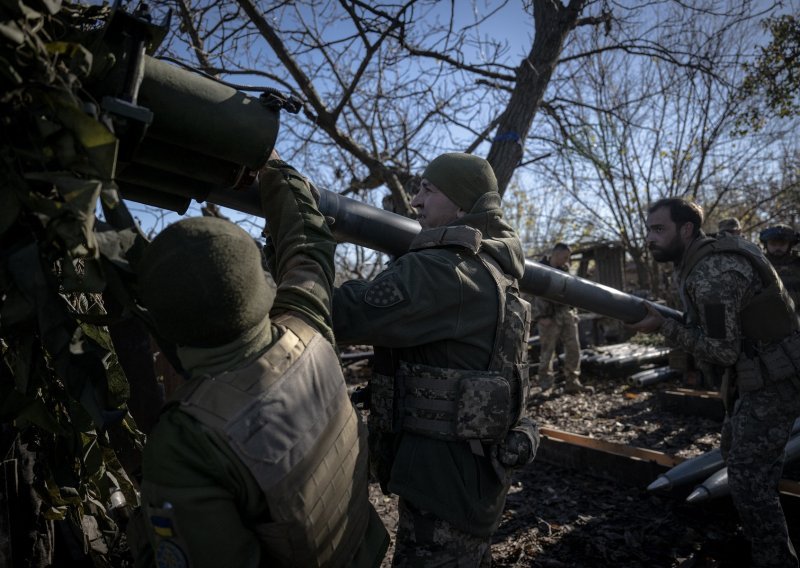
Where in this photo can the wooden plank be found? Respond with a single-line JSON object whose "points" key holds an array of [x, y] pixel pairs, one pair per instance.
{"points": [[607, 460], [706, 404]]}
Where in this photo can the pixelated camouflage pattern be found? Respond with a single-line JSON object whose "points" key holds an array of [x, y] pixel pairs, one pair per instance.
{"points": [[788, 268], [759, 422], [426, 541], [726, 280], [519, 447], [563, 327], [381, 403], [423, 384], [454, 404], [510, 353], [756, 432], [484, 409]]}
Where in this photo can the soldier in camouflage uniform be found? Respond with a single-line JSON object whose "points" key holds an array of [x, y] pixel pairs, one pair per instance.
{"points": [[739, 318], [450, 376], [558, 322], [778, 242], [260, 458]]}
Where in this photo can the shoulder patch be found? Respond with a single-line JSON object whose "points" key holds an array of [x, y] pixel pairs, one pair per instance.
{"points": [[384, 292], [170, 555]]}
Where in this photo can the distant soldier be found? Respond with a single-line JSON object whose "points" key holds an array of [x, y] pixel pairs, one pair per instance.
{"points": [[260, 458], [730, 225], [558, 322], [778, 242], [739, 318]]}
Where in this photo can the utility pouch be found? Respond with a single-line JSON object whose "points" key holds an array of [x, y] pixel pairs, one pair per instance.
{"points": [[483, 410], [455, 404], [782, 361], [748, 374]]}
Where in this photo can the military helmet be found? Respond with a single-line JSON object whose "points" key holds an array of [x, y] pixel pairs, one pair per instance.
{"points": [[203, 282], [729, 224], [779, 232]]}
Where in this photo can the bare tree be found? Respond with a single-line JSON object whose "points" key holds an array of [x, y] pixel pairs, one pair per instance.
{"points": [[632, 133], [387, 87]]}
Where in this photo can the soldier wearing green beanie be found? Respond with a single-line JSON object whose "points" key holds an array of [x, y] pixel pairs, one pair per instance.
{"points": [[259, 458], [447, 421]]}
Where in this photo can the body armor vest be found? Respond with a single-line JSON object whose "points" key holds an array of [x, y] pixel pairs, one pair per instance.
{"points": [[288, 418], [459, 404], [768, 315]]}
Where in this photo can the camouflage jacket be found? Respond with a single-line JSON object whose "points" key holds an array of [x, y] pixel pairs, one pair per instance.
{"points": [[438, 307], [714, 293]]}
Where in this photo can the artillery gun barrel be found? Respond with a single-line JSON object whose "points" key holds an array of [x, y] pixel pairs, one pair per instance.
{"points": [[191, 136], [362, 224]]}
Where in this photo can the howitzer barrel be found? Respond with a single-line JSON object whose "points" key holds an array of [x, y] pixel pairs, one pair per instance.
{"points": [[361, 224]]}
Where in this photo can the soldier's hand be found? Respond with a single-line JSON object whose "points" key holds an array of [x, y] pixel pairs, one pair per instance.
{"points": [[519, 447], [650, 323]]}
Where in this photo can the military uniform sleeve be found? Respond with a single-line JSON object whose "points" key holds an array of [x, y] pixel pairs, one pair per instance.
{"points": [[418, 300], [304, 245], [718, 287], [197, 497]]}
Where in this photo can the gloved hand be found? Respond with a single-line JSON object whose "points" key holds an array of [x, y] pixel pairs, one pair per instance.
{"points": [[519, 447]]}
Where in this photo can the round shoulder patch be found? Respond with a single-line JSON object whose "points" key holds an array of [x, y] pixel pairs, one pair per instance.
{"points": [[170, 555], [384, 292]]}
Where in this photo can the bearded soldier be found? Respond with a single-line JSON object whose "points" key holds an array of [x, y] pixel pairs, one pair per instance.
{"points": [[778, 242], [740, 319], [450, 378], [259, 459]]}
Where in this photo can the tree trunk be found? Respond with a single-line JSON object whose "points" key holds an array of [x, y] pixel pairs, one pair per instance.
{"points": [[553, 22]]}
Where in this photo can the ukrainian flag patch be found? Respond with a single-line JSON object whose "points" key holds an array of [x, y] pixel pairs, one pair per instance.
{"points": [[162, 526]]}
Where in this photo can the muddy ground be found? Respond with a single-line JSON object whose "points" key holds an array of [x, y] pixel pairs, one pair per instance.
{"points": [[556, 517]]}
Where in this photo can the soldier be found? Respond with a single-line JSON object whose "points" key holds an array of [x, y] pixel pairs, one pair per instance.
{"points": [[450, 377], [558, 322], [778, 242], [730, 225], [260, 458], [739, 318]]}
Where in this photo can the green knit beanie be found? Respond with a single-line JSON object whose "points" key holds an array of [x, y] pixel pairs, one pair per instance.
{"points": [[461, 177], [202, 281]]}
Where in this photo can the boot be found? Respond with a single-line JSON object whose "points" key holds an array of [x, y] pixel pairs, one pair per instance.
{"points": [[546, 384], [574, 386]]}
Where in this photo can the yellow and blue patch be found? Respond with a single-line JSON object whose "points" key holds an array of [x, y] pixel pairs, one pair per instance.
{"points": [[162, 526]]}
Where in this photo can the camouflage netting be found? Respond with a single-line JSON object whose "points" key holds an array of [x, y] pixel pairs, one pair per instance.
{"points": [[62, 390]]}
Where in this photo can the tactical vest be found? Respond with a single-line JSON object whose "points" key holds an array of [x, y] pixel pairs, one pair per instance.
{"points": [[767, 316], [771, 343], [288, 418], [458, 404]]}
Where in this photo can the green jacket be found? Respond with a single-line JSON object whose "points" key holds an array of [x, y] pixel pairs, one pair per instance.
{"points": [[438, 307], [214, 498]]}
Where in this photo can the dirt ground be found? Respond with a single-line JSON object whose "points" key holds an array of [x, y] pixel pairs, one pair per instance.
{"points": [[556, 517]]}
